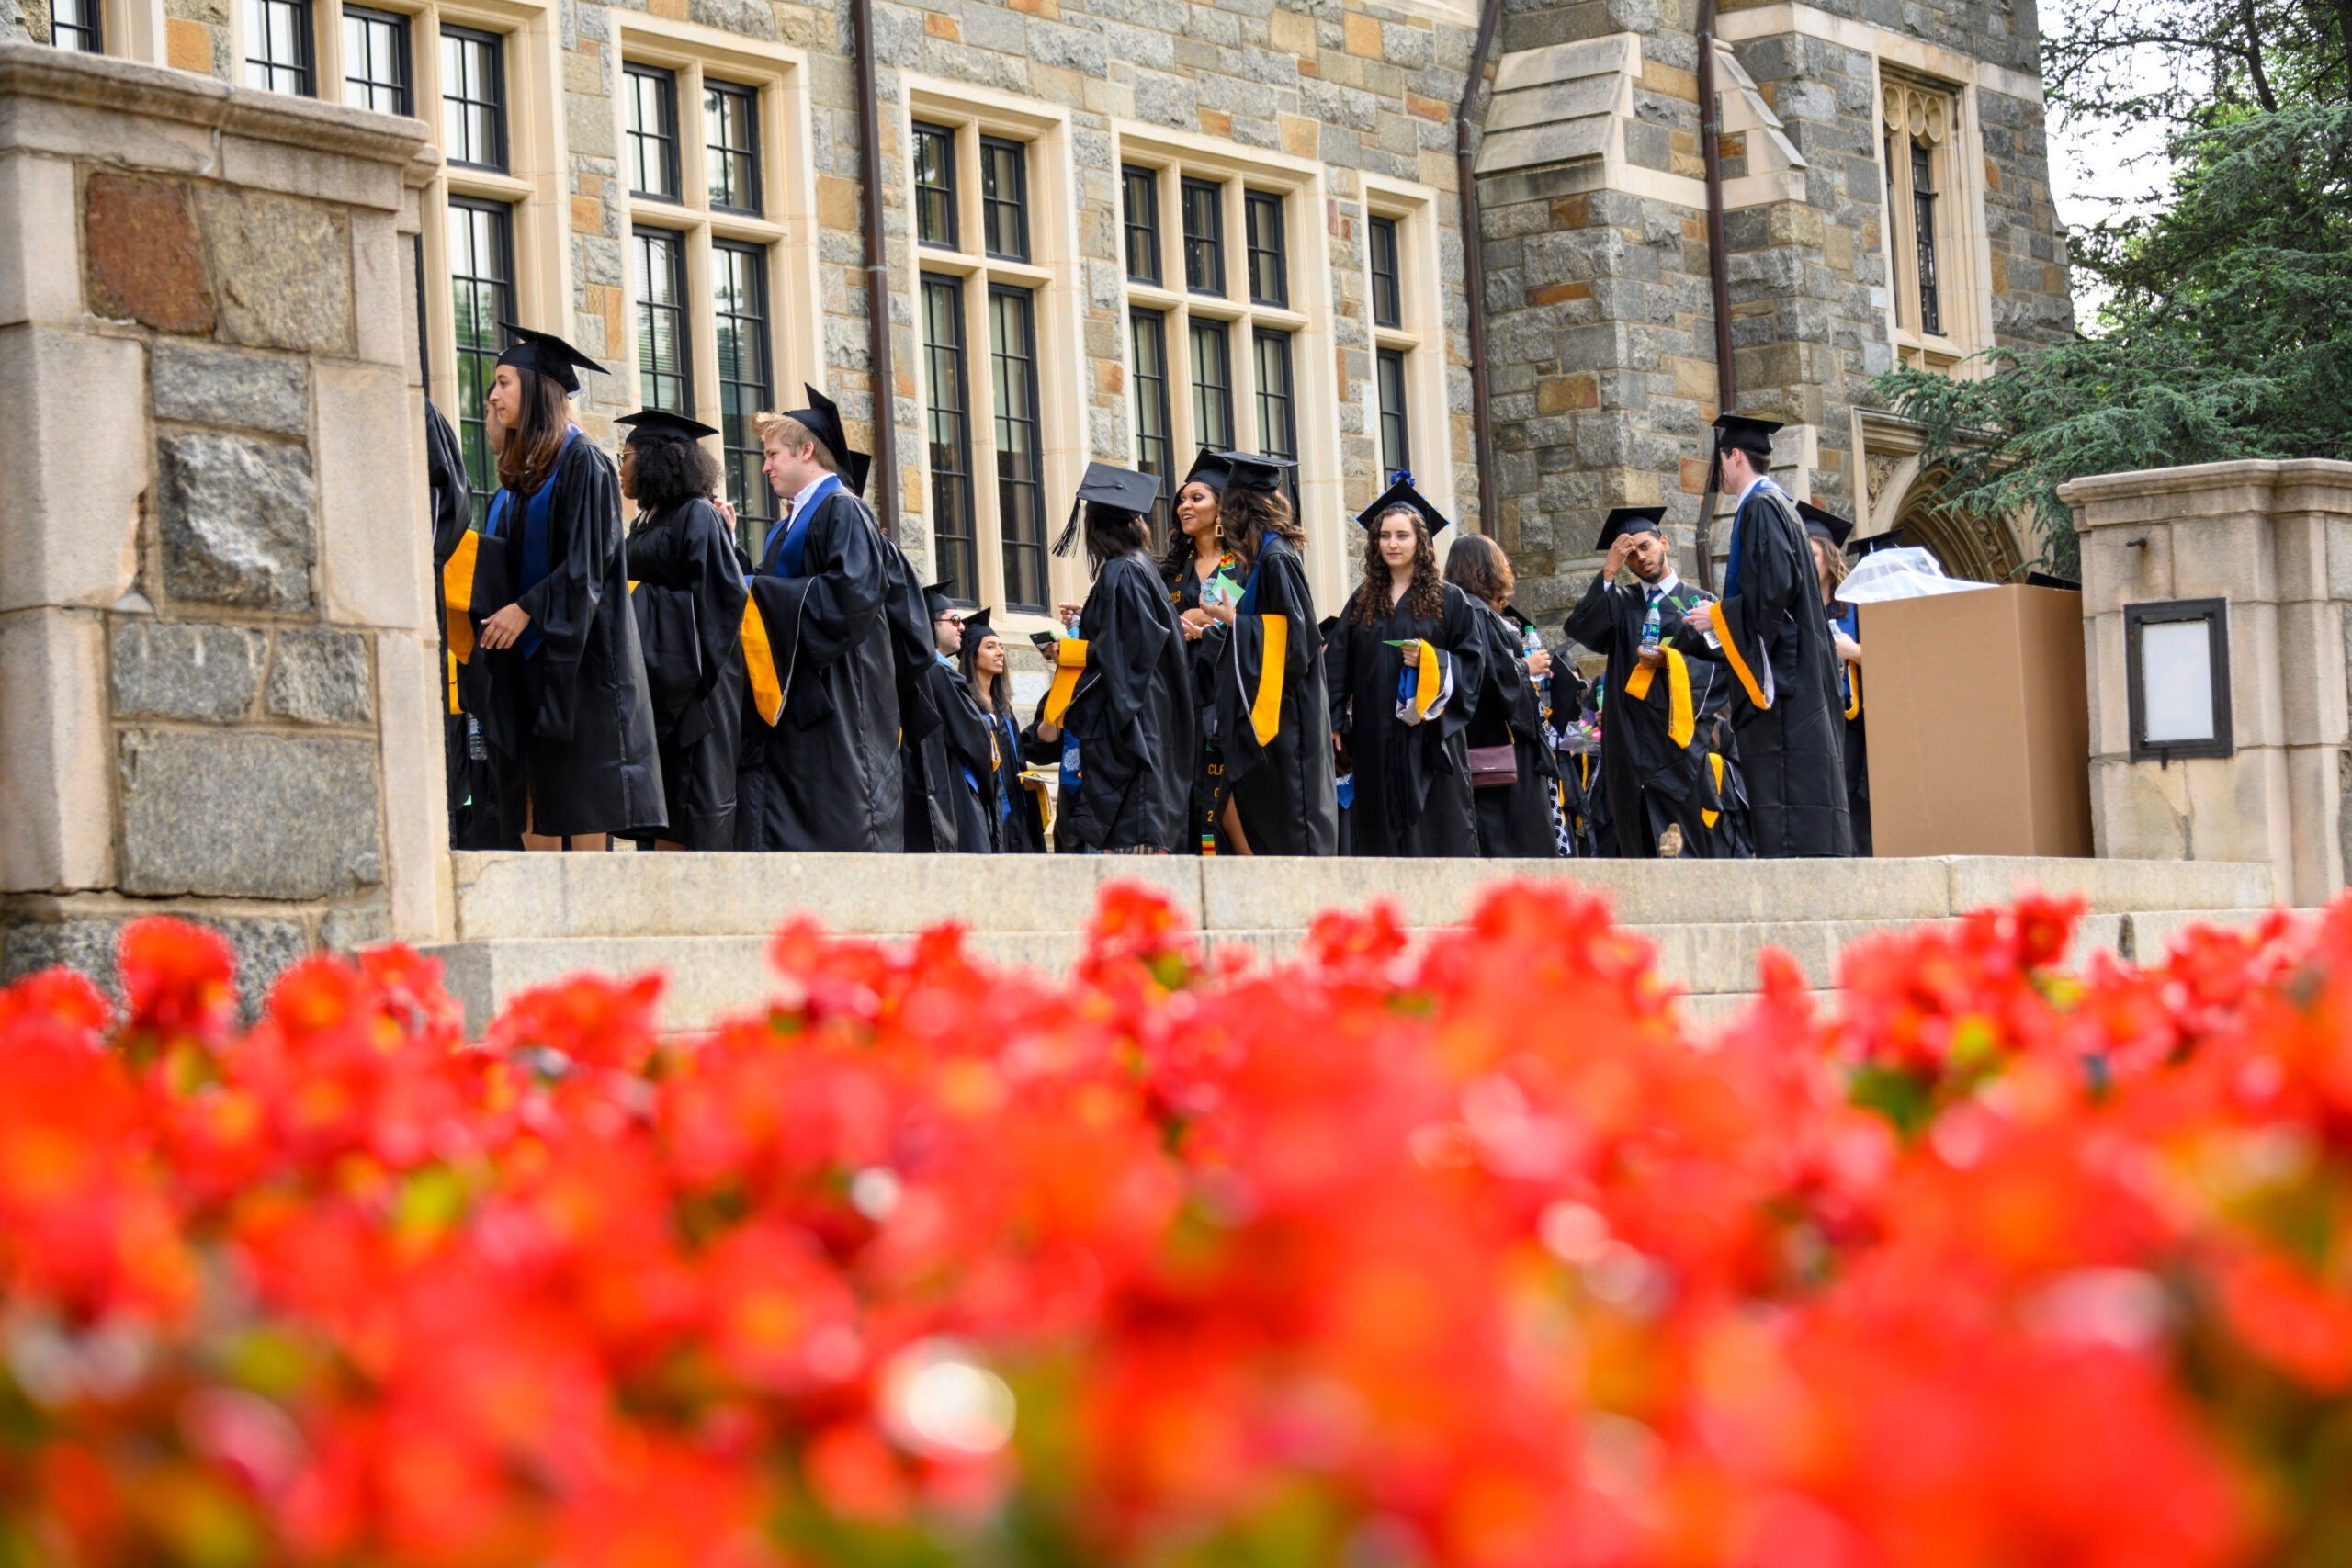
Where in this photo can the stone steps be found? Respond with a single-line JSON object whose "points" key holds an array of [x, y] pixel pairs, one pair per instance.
{"points": [[705, 921]]}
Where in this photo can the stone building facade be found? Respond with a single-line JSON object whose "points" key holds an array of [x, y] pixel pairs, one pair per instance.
{"points": [[1119, 228]]}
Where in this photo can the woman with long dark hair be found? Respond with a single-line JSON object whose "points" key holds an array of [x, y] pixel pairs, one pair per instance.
{"points": [[1123, 685], [569, 677], [1272, 711], [689, 599], [1409, 665], [1514, 778], [1202, 571], [1017, 826]]}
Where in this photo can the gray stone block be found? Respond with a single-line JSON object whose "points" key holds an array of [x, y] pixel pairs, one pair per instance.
{"points": [[282, 269], [264, 949], [322, 677], [201, 671], [211, 385], [246, 816], [236, 521]]}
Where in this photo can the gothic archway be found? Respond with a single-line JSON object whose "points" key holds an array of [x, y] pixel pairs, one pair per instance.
{"points": [[1982, 548]]}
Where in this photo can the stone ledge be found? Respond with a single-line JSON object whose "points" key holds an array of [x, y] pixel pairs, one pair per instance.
{"points": [[2103, 500]]}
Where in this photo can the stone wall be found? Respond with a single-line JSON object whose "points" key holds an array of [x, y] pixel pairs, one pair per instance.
{"points": [[215, 639], [2275, 541]]}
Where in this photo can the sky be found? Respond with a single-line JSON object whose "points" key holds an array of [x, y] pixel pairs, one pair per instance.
{"points": [[2099, 169]]}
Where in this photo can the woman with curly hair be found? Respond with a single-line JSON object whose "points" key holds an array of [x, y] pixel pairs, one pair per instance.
{"points": [[688, 598], [1409, 662], [1271, 712]]}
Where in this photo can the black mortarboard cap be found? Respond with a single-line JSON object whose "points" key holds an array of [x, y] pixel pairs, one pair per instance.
{"points": [[1255, 471], [1893, 539], [1209, 469], [1630, 520], [1825, 525], [1108, 485], [822, 419], [1753, 435], [976, 627], [1401, 493], [935, 595], [549, 356], [661, 424]]}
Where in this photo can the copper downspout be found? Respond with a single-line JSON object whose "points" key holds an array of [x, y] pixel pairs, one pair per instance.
{"points": [[884, 499], [1473, 274], [1711, 132]]}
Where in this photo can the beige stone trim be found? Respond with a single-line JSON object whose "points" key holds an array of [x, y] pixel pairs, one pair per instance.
{"points": [[1940, 116], [1422, 333], [1896, 48]]}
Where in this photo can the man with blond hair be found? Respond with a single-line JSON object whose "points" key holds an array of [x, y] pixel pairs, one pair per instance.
{"points": [[834, 631]]}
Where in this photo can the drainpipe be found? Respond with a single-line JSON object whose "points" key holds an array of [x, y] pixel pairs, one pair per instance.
{"points": [[1711, 132], [884, 499], [1474, 270]]}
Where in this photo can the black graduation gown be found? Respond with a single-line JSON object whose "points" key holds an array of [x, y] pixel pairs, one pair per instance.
{"points": [[472, 786], [1856, 741], [1015, 819], [1654, 780], [1785, 714], [689, 602], [820, 763], [1037, 752], [1412, 781], [1515, 818], [931, 788], [1207, 806], [573, 722], [1132, 715], [1272, 711]]}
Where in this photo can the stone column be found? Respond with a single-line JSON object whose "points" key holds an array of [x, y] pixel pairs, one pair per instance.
{"points": [[2274, 540], [218, 694]]}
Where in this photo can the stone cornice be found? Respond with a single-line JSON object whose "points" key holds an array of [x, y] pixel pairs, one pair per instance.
{"points": [[35, 72], [2266, 485]]}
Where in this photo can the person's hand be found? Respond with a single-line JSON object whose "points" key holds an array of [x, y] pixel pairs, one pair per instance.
{"points": [[1221, 613], [1539, 664], [726, 509], [1196, 622], [1847, 649], [1048, 732], [1618, 549], [502, 628], [1650, 658], [1065, 609]]}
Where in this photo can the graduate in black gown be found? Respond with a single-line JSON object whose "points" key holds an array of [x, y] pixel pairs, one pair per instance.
{"points": [[1827, 534], [1016, 823], [941, 816], [473, 787], [1270, 705], [1406, 738], [1123, 686], [834, 644], [1519, 813], [1768, 629], [1652, 756], [1202, 571], [566, 711], [688, 595]]}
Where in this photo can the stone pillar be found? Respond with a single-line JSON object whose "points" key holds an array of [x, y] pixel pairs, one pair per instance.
{"points": [[218, 693], [2274, 540]]}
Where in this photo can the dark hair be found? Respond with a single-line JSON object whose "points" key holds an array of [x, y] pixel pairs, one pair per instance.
{"points": [[1425, 598], [1111, 533], [1477, 566], [1250, 515], [536, 440], [669, 472], [967, 660]]}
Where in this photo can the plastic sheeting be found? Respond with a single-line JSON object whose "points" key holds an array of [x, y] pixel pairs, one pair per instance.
{"points": [[1910, 572]]}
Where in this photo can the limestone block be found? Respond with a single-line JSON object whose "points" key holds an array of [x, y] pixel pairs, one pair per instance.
{"points": [[201, 671], [2125, 566], [2316, 799], [2226, 556], [236, 521], [280, 268], [53, 798], [69, 513], [2309, 674], [269, 163], [36, 223], [376, 563], [2339, 557], [109, 112], [2113, 886], [139, 257], [213, 386], [416, 786], [322, 677], [384, 289], [249, 815], [2238, 810], [349, 927], [2110, 695], [2298, 553], [2138, 811], [2257, 716]]}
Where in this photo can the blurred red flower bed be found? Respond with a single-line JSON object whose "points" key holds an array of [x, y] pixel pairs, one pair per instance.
{"points": [[1469, 1254]]}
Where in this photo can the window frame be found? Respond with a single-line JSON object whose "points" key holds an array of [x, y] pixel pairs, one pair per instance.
{"points": [[305, 65], [1937, 117], [1029, 548], [403, 30], [483, 357], [754, 502], [1212, 244], [644, 239], [948, 197], [1377, 227], [1149, 227], [1170, 474], [92, 31], [497, 103], [1277, 406], [1207, 330], [716, 154], [1018, 202], [964, 539], [663, 80], [1253, 204], [1397, 412]]}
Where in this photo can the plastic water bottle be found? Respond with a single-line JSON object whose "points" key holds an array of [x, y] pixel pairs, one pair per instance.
{"points": [[1650, 627], [1531, 644], [1072, 627]]}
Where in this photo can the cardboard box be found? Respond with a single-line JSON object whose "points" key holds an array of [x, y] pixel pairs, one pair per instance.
{"points": [[1979, 724]]}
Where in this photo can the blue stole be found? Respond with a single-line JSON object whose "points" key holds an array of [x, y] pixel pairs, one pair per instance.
{"points": [[1249, 605], [535, 541], [1849, 621], [1008, 777], [786, 561], [1731, 565]]}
